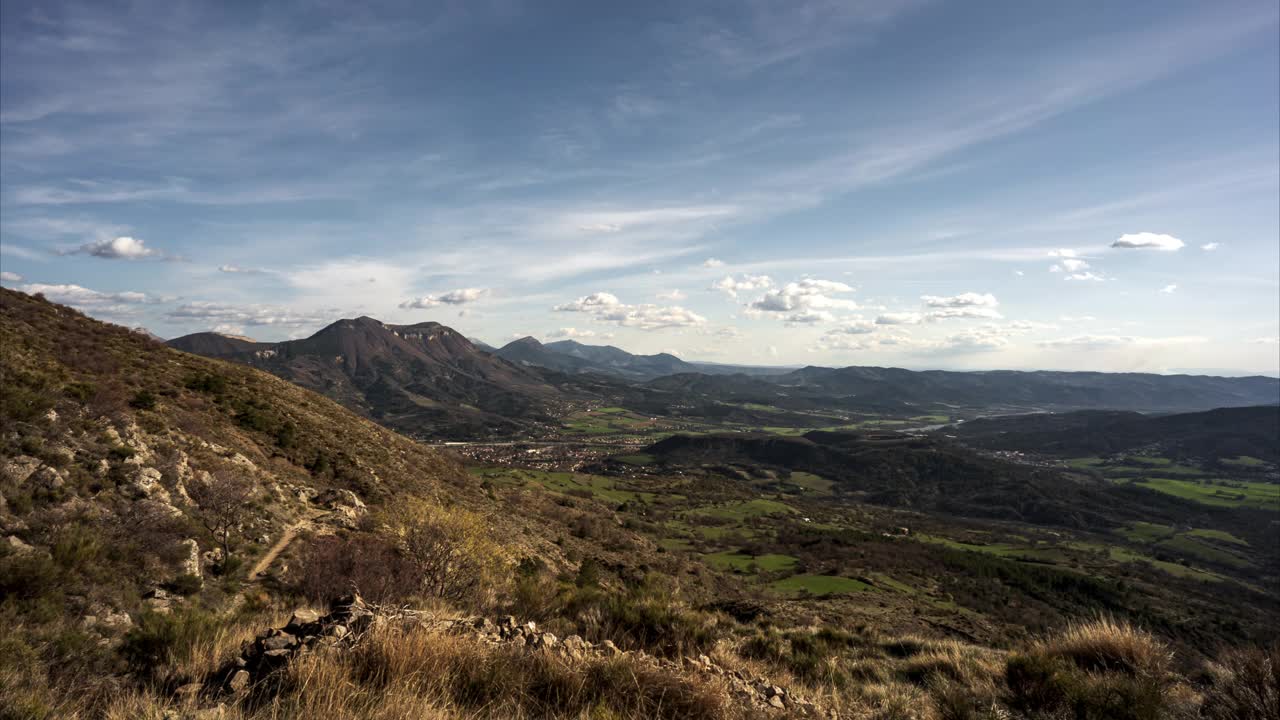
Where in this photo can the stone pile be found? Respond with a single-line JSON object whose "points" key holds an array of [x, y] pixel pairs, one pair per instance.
{"points": [[350, 619]]}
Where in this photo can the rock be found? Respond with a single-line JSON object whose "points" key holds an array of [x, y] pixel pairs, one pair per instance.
{"points": [[17, 546], [776, 701], [18, 469], [190, 564], [145, 483], [51, 416], [303, 616], [48, 479], [346, 507], [158, 601], [239, 681], [278, 641]]}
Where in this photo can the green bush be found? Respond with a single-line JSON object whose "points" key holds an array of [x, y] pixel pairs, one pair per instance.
{"points": [[143, 400], [157, 638]]}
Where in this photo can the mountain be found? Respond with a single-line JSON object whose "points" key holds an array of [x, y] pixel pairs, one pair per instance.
{"points": [[570, 356], [1213, 435], [876, 389], [528, 352], [212, 344], [424, 379]]}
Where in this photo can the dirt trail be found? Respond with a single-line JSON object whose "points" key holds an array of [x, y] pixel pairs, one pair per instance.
{"points": [[286, 537]]}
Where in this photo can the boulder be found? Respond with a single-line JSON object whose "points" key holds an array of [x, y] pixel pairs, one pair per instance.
{"points": [[16, 470], [190, 564], [145, 483]]}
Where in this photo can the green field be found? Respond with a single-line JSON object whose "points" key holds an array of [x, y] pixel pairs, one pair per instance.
{"points": [[735, 560], [742, 510], [813, 483], [1244, 461], [1222, 493], [600, 487], [819, 585]]}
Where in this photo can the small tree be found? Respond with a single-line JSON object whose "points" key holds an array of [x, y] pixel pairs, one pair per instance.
{"points": [[223, 500], [453, 554]]}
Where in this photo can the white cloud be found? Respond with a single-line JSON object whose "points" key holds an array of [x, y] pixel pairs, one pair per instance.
{"points": [[607, 308], [569, 332], [969, 299], [857, 327], [119, 248], [1098, 342], [1069, 265], [900, 318], [1274, 340], [222, 314], [92, 301], [1169, 289], [712, 263], [732, 287], [1148, 241], [240, 270], [1210, 247], [601, 228], [7, 276], [1087, 275], [1019, 273], [460, 296], [1063, 253], [590, 303], [1077, 318], [228, 329], [809, 317], [672, 295], [804, 296], [963, 313]]}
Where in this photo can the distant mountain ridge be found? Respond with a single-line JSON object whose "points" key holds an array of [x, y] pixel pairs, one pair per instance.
{"points": [[424, 379], [897, 390], [570, 356]]}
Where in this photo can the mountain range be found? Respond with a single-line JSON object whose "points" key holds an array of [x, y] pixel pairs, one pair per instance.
{"points": [[428, 380]]}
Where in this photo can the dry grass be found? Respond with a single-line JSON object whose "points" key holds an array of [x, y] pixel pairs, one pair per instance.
{"points": [[416, 673], [1099, 670], [1246, 685], [1106, 645]]}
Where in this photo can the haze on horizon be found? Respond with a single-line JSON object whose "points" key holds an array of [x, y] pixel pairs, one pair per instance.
{"points": [[921, 184]]}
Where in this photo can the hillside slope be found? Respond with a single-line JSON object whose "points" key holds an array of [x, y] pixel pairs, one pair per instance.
{"points": [[1212, 435]]}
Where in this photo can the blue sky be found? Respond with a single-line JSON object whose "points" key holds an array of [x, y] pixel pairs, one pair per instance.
{"points": [[901, 182]]}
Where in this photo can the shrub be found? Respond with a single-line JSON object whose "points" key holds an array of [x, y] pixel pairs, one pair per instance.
{"points": [[452, 553], [332, 567], [1098, 670], [157, 639], [143, 400], [1245, 683]]}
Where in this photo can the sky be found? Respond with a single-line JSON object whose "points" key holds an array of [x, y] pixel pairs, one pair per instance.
{"points": [[946, 184]]}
